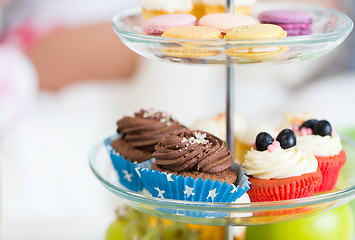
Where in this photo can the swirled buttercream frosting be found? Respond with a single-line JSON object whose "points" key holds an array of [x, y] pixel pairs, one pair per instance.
{"points": [[320, 145], [282, 163], [147, 128], [193, 151]]}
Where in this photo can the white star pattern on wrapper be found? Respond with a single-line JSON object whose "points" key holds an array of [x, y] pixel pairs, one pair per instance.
{"points": [[168, 177], [160, 194], [188, 191], [212, 194], [139, 174], [179, 213], [234, 188], [127, 176]]}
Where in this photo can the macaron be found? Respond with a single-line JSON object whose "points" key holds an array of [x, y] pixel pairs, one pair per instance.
{"points": [[157, 25], [256, 32], [191, 49], [294, 22], [194, 32], [225, 21]]}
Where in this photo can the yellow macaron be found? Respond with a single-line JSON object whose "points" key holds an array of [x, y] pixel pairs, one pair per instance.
{"points": [[194, 32], [256, 31], [191, 49]]}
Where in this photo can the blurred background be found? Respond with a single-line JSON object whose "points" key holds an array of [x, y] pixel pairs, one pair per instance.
{"points": [[65, 79]]}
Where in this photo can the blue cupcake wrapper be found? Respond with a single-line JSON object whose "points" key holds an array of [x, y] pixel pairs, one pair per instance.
{"points": [[163, 185], [127, 171]]}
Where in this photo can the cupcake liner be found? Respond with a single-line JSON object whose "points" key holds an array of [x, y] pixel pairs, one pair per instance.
{"points": [[284, 189], [163, 185], [330, 168], [126, 170]]}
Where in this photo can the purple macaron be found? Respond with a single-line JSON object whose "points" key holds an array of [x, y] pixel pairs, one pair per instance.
{"points": [[157, 25], [294, 22]]}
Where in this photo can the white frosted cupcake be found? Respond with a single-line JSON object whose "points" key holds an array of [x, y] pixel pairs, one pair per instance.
{"points": [[319, 138], [280, 170]]}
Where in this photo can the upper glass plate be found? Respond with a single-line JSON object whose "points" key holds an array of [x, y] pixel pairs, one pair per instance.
{"points": [[330, 28], [223, 214]]}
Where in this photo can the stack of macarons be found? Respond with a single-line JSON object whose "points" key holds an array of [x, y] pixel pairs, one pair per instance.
{"points": [[223, 22], [294, 22], [216, 26]]}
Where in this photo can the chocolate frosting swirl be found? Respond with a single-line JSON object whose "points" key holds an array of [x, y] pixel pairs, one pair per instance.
{"points": [[193, 151], [147, 128]]}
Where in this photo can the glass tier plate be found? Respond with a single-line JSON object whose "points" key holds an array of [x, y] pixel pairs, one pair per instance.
{"points": [[330, 28], [223, 214]]}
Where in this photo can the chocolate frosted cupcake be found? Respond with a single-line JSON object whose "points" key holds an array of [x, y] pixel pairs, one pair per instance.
{"points": [[194, 166], [195, 154], [135, 143], [139, 134]]}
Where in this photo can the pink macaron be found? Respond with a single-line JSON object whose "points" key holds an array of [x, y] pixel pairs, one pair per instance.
{"points": [[226, 21], [294, 22], [157, 25]]}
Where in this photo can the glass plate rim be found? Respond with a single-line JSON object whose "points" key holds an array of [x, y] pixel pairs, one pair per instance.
{"points": [[220, 207], [313, 38]]}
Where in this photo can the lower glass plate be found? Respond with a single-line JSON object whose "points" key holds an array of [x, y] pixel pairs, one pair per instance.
{"points": [[222, 214]]}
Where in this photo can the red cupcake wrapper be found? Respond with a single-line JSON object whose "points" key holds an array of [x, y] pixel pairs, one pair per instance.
{"points": [[262, 190], [330, 168]]}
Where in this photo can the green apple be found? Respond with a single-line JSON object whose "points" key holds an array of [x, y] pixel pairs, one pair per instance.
{"points": [[346, 178], [132, 224], [116, 230], [330, 225]]}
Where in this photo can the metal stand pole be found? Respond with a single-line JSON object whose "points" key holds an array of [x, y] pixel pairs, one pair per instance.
{"points": [[230, 108], [228, 233]]}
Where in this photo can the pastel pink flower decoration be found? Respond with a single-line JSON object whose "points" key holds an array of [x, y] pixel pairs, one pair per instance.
{"points": [[271, 148], [295, 127], [276, 144], [303, 132]]}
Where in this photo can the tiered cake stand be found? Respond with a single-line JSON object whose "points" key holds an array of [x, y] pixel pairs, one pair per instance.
{"points": [[330, 28]]}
